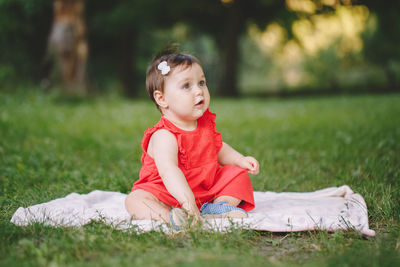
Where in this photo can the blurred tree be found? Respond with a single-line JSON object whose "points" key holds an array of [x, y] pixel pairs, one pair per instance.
{"points": [[68, 45], [24, 29], [123, 33], [382, 46], [226, 21], [115, 29]]}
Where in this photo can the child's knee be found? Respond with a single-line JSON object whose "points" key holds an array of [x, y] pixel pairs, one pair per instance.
{"points": [[143, 205], [134, 201]]}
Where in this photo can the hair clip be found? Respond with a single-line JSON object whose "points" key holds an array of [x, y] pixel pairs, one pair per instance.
{"points": [[163, 66]]}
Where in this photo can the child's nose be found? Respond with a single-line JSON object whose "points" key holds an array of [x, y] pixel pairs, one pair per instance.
{"points": [[198, 90]]}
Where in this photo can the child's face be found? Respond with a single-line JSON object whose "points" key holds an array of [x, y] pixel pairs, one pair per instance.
{"points": [[185, 93]]}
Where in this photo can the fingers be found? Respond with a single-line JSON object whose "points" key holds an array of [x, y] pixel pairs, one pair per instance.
{"points": [[192, 212], [252, 165], [196, 219]]}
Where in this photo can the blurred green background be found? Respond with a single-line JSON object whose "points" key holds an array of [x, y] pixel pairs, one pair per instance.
{"points": [[259, 47], [52, 144]]}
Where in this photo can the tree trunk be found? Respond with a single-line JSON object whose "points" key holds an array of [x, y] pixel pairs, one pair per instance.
{"points": [[228, 47], [126, 62], [68, 45], [391, 78]]}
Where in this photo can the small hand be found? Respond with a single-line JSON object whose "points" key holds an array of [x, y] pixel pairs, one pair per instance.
{"points": [[192, 212], [250, 164]]}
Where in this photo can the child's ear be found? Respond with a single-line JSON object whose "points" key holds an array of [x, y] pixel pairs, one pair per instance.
{"points": [[159, 98]]}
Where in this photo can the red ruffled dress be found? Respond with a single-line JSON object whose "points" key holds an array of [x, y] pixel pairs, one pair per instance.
{"points": [[198, 160]]}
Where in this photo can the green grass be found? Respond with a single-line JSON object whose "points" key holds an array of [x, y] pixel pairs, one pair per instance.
{"points": [[50, 147]]}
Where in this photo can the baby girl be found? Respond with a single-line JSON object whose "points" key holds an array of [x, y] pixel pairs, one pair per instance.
{"points": [[187, 171]]}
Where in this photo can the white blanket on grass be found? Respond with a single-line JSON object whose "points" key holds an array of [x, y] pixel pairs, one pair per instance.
{"points": [[327, 209]]}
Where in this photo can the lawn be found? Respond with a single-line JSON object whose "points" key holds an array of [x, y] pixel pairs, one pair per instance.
{"points": [[50, 147]]}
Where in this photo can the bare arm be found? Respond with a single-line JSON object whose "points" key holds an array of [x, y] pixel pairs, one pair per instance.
{"points": [[227, 155], [164, 150]]}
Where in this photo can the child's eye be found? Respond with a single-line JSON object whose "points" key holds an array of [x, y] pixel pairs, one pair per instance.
{"points": [[186, 86], [202, 83]]}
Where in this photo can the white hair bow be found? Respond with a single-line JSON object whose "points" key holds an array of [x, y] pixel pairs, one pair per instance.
{"points": [[163, 66]]}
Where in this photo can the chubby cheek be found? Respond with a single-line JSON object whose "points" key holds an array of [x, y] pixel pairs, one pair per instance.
{"points": [[207, 98]]}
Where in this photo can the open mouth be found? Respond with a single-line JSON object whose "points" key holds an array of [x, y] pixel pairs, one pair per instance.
{"points": [[199, 103]]}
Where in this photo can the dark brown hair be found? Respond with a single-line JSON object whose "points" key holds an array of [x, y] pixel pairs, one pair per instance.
{"points": [[154, 78]]}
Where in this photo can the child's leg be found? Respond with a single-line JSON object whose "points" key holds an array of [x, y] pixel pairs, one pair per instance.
{"points": [[219, 209], [232, 201], [232, 185], [143, 205]]}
